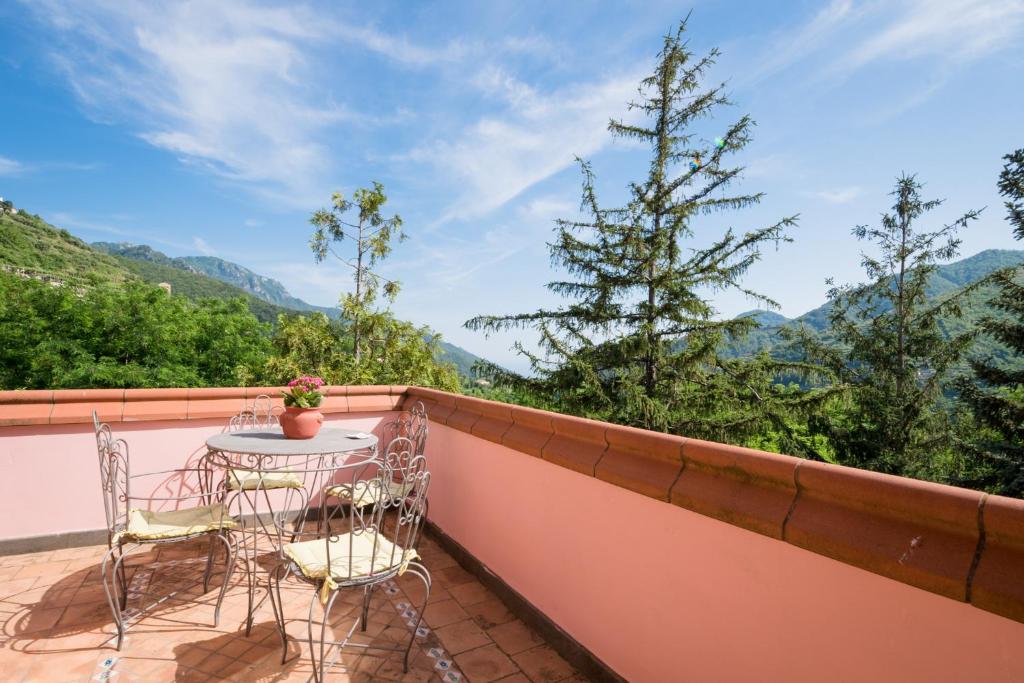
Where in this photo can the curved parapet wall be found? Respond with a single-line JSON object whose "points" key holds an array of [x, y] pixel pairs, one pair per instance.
{"points": [[75, 406], [965, 545]]}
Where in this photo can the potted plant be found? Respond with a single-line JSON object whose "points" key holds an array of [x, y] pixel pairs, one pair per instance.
{"points": [[302, 418]]}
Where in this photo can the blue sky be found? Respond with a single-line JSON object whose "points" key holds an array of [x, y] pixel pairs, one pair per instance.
{"points": [[218, 127]]}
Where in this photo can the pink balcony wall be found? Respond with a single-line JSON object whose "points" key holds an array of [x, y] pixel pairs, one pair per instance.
{"points": [[660, 593], [50, 483]]}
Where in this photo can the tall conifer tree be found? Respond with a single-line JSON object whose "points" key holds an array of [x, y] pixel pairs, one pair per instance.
{"points": [[637, 342], [887, 352], [996, 397]]}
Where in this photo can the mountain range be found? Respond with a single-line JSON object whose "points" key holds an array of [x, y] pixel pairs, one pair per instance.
{"points": [[947, 280], [33, 246], [30, 245]]}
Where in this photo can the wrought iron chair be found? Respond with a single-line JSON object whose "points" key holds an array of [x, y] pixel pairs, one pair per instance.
{"points": [[411, 425], [365, 554], [129, 528]]}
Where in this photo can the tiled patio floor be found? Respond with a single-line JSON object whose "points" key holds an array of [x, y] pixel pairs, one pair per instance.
{"points": [[57, 626]]}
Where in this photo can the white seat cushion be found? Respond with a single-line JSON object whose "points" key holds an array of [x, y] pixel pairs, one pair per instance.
{"points": [[368, 492], [249, 480], [363, 561], [150, 525]]}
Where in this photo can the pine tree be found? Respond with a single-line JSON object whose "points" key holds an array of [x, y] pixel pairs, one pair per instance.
{"points": [[886, 352], [637, 342], [996, 396]]}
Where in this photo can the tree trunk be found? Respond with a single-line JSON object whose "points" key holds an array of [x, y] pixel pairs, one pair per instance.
{"points": [[901, 325], [359, 289]]}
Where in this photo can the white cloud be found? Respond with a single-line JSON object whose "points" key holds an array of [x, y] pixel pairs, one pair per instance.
{"points": [[848, 35], [797, 44], [950, 30], [203, 247], [842, 195], [63, 219], [104, 225], [399, 48], [222, 85], [537, 135], [10, 167], [252, 222], [549, 208]]}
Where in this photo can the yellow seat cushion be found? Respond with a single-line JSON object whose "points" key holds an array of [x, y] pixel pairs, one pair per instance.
{"points": [[368, 492], [311, 558], [149, 525], [249, 480]]}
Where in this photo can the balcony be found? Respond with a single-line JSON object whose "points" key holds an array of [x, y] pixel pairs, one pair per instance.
{"points": [[562, 549]]}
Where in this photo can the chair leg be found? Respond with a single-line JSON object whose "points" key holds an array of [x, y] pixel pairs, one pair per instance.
{"points": [[249, 549], [109, 571], [229, 569], [367, 593], [300, 524], [318, 659], [278, 605], [122, 576], [420, 571], [209, 563]]}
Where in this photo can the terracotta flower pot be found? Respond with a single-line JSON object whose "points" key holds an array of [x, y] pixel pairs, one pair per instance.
{"points": [[301, 423]]}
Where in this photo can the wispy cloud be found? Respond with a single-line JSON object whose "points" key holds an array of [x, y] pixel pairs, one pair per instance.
{"points": [[847, 35], [106, 225], [203, 247], [797, 44], [536, 135], [66, 220], [842, 195], [953, 31], [549, 208], [10, 167], [399, 48], [222, 85]]}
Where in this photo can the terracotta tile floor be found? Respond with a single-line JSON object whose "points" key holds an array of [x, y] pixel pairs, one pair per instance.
{"points": [[57, 626]]}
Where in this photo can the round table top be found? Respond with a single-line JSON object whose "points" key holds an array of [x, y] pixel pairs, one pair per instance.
{"points": [[273, 442]]}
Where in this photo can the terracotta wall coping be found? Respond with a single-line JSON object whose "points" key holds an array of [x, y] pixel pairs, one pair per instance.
{"points": [[963, 544], [75, 406], [966, 545]]}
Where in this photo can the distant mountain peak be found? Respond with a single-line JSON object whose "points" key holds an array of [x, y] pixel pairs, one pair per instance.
{"points": [[765, 318]]}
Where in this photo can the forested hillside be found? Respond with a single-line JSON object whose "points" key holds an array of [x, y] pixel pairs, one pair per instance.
{"points": [[948, 280], [31, 247], [195, 276]]}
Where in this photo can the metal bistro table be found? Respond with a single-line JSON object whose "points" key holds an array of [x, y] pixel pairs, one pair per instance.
{"points": [[270, 473]]}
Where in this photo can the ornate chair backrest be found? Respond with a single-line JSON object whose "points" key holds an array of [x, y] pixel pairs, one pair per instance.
{"points": [[259, 415], [410, 424], [419, 426], [114, 477], [366, 524]]}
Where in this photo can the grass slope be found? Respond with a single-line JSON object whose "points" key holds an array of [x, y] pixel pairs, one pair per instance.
{"points": [[29, 243]]}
